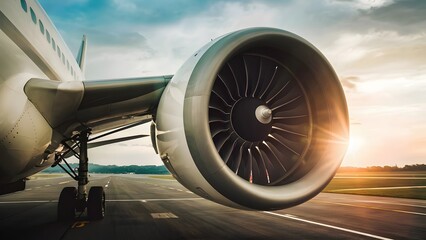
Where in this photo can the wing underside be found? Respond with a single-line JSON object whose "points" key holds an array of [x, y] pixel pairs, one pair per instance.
{"points": [[100, 105]]}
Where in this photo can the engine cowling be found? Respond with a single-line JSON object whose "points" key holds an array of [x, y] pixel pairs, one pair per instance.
{"points": [[256, 119]]}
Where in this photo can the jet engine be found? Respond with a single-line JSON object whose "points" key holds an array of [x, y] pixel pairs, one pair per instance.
{"points": [[256, 119]]}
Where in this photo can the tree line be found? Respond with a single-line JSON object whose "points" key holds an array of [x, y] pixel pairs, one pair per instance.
{"points": [[413, 167], [153, 169], [114, 169]]}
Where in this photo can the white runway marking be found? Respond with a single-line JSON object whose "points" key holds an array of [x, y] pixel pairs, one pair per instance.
{"points": [[19, 202], [415, 213], [189, 192], [390, 203], [117, 200], [106, 185], [155, 199], [396, 178], [377, 188], [288, 216], [64, 182], [370, 207], [163, 215]]}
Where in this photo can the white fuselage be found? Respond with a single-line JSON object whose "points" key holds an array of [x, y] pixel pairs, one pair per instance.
{"points": [[30, 47]]}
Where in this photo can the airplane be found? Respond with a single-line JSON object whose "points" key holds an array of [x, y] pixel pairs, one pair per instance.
{"points": [[255, 119]]}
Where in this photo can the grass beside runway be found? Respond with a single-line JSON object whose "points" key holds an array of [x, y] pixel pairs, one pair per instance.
{"points": [[387, 184], [166, 177], [38, 176]]}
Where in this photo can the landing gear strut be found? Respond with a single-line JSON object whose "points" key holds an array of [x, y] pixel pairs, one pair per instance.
{"points": [[73, 200]]}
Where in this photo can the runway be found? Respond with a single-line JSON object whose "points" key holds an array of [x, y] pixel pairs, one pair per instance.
{"points": [[140, 207]]}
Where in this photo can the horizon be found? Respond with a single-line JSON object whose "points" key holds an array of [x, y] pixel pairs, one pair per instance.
{"points": [[377, 48], [152, 165]]}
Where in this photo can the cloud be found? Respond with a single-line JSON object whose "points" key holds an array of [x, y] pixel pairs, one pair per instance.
{"points": [[165, 47], [117, 39], [350, 82], [363, 4], [404, 16], [377, 47], [384, 52]]}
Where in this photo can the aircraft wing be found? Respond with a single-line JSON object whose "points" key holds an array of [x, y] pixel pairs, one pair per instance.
{"points": [[100, 105]]}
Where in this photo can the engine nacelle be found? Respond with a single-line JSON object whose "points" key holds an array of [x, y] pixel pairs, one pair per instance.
{"points": [[256, 119]]}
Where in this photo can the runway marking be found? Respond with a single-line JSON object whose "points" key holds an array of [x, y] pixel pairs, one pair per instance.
{"points": [[79, 224], [327, 225], [376, 188], [415, 213], [189, 192], [37, 187], [155, 200], [396, 178], [64, 182], [371, 207], [18, 202], [106, 185], [180, 190], [389, 203], [163, 215], [29, 189], [47, 185]]}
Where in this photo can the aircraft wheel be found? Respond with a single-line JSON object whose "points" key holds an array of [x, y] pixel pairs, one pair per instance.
{"points": [[96, 203], [67, 203]]}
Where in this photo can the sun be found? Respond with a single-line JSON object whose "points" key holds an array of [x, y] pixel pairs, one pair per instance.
{"points": [[355, 144]]}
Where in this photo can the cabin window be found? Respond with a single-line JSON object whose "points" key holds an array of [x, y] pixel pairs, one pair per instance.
{"points": [[68, 65], [53, 44], [47, 36], [33, 16], [41, 26], [72, 71], [24, 5], [63, 58], [59, 52]]}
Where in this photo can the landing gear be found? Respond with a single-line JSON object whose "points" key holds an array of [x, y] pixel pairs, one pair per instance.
{"points": [[66, 204], [96, 203], [73, 200]]}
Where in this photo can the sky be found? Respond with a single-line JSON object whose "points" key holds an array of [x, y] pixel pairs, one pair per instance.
{"points": [[377, 48]]}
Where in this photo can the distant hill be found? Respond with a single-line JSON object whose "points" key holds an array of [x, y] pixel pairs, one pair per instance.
{"points": [[96, 168]]}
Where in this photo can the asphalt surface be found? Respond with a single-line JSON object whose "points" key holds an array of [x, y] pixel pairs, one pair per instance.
{"points": [[140, 207]]}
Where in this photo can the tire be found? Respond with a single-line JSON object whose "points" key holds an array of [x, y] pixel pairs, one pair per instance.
{"points": [[96, 203], [67, 203]]}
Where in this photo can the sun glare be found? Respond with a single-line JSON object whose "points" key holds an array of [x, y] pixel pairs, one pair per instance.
{"points": [[355, 144]]}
